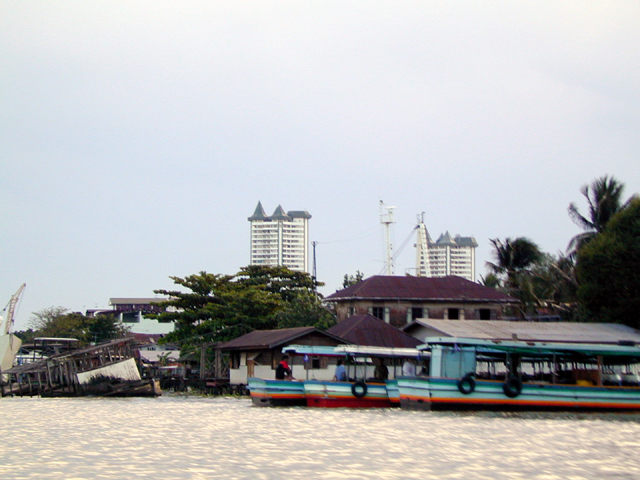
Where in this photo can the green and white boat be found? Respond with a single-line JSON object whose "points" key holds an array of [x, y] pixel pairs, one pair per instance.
{"points": [[474, 374]]}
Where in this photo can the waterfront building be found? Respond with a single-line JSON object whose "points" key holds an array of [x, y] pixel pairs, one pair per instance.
{"points": [[281, 239], [400, 300], [131, 312], [446, 256]]}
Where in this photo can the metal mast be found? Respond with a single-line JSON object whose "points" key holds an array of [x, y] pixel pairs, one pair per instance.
{"points": [[386, 219]]}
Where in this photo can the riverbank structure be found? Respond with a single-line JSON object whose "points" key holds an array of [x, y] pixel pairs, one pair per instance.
{"points": [[281, 239]]}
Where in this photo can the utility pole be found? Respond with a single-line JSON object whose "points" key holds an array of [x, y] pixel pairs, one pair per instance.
{"points": [[315, 272]]}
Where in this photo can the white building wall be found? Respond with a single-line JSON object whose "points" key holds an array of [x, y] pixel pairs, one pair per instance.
{"points": [[447, 256], [281, 239]]}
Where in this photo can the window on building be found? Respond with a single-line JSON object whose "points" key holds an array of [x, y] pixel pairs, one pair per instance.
{"points": [[454, 314], [234, 360], [484, 314], [377, 312], [316, 363], [414, 313]]}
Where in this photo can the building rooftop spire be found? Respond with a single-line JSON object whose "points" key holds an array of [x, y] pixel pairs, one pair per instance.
{"points": [[258, 214]]}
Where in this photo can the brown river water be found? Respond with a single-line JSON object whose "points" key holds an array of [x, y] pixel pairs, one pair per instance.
{"points": [[203, 438]]}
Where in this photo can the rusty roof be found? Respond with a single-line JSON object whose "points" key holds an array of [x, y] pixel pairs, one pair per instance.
{"points": [[371, 331], [272, 338], [570, 332], [384, 287]]}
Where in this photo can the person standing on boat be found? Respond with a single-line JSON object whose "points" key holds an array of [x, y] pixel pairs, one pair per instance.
{"points": [[381, 372], [340, 374], [283, 371], [409, 368]]}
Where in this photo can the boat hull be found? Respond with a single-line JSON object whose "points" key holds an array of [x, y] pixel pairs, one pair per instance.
{"points": [[276, 393], [443, 394], [340, 394]]}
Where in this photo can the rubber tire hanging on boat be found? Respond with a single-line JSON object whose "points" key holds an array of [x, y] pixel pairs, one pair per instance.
{"points": [[512, 387], [359, 392], [467, 384]]}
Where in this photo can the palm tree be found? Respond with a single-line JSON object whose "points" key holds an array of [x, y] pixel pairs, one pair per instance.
{"points": [[513, 256], [514, 259], [604, 199]]}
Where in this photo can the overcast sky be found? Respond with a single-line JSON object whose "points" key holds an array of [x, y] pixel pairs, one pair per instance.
{"points": [[137, 137]]}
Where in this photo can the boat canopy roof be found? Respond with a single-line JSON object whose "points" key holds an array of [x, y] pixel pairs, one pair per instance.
{"points": [[379, 351], [311, 350], [55, 339], [353, 351], [534, 348]]}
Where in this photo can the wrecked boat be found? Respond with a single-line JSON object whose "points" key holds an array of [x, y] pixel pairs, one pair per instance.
{"points": [[109, 369]]}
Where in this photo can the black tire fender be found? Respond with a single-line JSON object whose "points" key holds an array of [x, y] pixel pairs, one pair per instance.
{"points": [[359, 388], [467, 384], [512, 387]]}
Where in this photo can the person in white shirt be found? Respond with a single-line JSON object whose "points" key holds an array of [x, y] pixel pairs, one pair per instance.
{"points": [[409, 368]]}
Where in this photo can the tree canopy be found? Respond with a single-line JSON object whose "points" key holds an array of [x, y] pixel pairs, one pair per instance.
{"points": [[349, 280], [60, 322], [608, 270], [223, 307], [515, 259], [604, 199]]}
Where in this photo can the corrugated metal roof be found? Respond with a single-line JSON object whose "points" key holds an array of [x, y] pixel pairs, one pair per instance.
{"points": [[533, 331], [271, 338], [136, 301], [371, 331], [420, 288]]}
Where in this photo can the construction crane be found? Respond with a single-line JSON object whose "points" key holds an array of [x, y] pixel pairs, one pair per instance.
{"points": [[11, 308]]}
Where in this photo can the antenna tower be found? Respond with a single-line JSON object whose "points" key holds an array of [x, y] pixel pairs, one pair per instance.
{"points": [[386, 219]]}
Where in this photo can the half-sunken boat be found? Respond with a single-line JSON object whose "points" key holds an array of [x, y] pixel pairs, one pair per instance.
{"points": [[474, 374], [107, 369]]}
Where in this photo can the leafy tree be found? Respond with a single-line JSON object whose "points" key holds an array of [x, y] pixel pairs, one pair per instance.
{"points": [[552, 285], [352, 279], [608, 270], [59, 322], [46, 317], [513, 257], [604, 197], [514, 260], [490, 280], [223, 307], [303, 311]]}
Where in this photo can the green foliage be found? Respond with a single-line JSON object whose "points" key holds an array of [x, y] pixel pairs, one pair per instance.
{"points": [[604, 198], [608, 270], [303, 311], [59, 322], [352, 279], [223, 307], [538, 280]]}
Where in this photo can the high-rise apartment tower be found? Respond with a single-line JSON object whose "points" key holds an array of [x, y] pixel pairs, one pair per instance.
{"points": [[446, 256], [280, 239]]}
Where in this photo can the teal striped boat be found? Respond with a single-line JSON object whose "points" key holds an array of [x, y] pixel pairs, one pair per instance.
{"points": [[497, 375]]}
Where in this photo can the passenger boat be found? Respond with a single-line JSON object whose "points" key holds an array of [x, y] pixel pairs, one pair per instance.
{"points": [[285, 393], [361, 390], [478, 374], [276, 393]]}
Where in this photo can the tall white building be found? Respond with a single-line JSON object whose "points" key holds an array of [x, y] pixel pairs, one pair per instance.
{"points": [[446, 256], [281, 239]]}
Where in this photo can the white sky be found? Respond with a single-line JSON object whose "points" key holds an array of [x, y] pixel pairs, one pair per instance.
{"points": [[137, 137]]}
